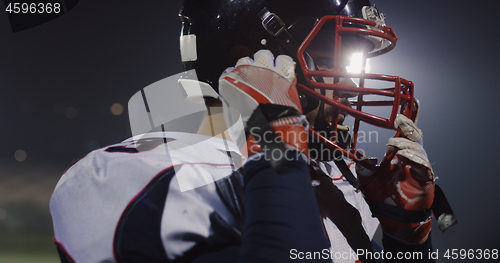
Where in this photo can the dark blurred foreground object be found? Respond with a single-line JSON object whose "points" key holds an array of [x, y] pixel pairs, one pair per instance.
{"points": [[25, 14]]}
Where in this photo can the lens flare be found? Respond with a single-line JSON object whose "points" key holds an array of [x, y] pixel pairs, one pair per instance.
{"points": [[356, 65]]}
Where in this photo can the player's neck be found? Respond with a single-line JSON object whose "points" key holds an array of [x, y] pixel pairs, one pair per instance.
{"points": [[213, 124]]}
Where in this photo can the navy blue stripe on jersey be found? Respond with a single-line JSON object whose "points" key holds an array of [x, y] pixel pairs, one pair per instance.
{"points": [[137, 237], [63, 254]]}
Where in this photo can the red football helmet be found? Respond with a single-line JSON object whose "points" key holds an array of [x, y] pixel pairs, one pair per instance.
{"points": [[300, 28], [399, 94]]}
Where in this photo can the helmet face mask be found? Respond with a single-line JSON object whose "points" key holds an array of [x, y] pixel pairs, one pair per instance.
{"points": [[322, 38], [349, 37]]}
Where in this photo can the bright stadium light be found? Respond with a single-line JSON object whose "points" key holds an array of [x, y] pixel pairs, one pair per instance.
{"points": [[357, 64]]}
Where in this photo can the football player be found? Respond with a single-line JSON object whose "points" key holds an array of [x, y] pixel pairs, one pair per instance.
{"points": [[169, 196], [322, 37]]}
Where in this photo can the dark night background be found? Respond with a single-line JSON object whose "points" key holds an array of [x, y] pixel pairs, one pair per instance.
{"points": [[59, 80]]}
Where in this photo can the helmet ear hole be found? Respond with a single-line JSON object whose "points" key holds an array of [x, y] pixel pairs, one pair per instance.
{"points": [[237, 51]]}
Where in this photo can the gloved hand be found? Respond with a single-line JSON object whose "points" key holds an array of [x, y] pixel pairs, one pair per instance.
{"points": [[260, 98], [400, 194]]}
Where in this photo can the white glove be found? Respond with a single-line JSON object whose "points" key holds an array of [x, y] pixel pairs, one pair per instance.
{"points": [[262, 80]]}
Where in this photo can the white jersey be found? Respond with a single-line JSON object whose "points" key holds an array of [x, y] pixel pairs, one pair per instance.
{"points": [[155, 194], [97, 201]]}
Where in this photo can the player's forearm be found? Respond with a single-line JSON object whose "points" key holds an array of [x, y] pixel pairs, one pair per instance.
{"points": [[280, 212]]}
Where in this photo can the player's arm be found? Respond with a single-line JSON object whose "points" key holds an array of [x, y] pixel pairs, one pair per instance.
{"points": [[281, 214], [400, 194]]}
